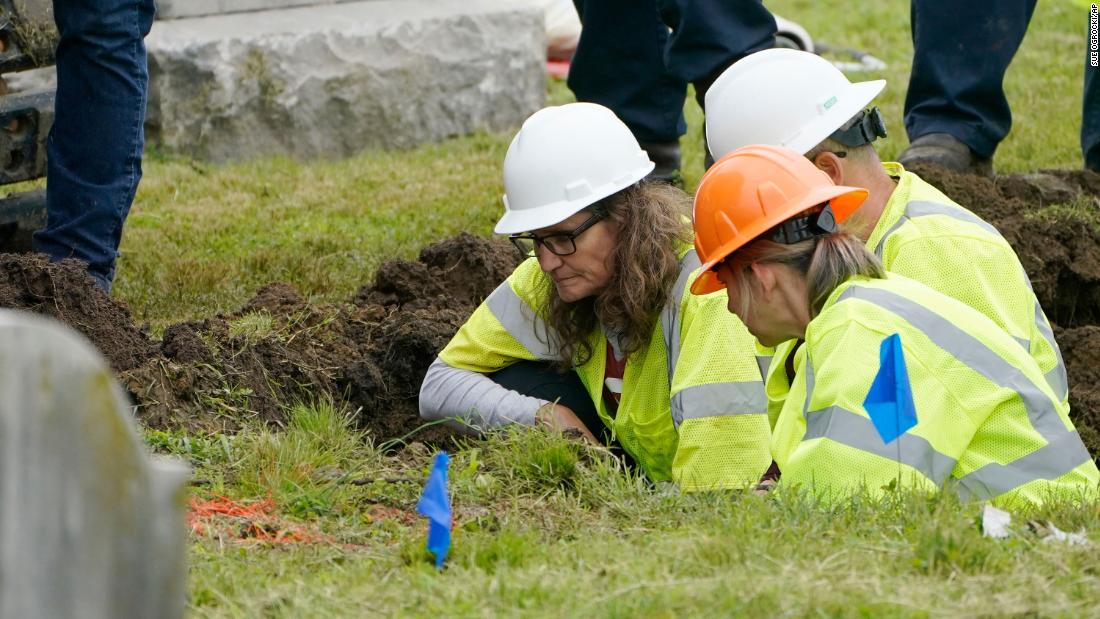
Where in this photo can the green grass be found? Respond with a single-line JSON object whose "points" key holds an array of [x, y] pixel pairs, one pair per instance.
{"points": [[253, 326], [1081, 210], [201, 239], [546, 527]]}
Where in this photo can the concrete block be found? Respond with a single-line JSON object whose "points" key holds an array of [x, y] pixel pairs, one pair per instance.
{"points": [[330, 81], [90, 526], [172, 9]]}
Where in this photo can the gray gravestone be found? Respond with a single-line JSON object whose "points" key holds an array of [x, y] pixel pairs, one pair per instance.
{"points": [[331, 81], [90, 526]]}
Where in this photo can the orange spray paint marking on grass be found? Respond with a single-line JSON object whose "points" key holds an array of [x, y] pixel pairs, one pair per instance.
{"points": [[261, 522]]}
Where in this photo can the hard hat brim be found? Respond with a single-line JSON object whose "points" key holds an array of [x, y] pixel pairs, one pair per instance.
{"points": [[706, 281], [518, 221], [844, 201]]}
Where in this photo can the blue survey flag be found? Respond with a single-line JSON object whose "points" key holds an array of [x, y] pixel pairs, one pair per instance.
{"points": [[436, 505], [890, 400]]}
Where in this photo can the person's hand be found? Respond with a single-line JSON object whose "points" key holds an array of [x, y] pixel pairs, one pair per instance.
{"points": [[764, 487], [561, 419]]}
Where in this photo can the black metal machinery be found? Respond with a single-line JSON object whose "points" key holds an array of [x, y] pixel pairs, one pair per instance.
{"points": [[28, 38]]}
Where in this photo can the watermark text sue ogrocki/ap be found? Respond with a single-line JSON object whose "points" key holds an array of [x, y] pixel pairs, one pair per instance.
{"points": [[1094, 45]]}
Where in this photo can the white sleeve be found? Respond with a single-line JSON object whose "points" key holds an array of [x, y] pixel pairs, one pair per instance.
{"points": [[449, 392]]}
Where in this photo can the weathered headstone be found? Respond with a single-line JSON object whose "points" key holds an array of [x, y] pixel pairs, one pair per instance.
{"points": [[90, 526], [331, 81]]}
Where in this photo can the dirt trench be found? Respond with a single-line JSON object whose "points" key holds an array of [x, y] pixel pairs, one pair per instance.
{"points": [[215, 374], [371, 351]]}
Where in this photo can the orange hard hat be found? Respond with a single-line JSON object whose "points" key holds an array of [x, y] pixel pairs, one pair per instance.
{"points": [[752, 190]]}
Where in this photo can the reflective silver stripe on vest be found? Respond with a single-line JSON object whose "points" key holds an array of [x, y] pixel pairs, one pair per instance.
{"points": [[808, 370], [847, 428], [1025, 343], [1057, 376], [970, 351], [670, 315], [763, 362], [1027, 280], [1064, 451], [519, 320], [921, 208], [1056, 458], [719, 400]]}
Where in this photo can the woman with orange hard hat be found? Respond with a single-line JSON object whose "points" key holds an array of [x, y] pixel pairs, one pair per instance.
{"points": [[896, 382]]}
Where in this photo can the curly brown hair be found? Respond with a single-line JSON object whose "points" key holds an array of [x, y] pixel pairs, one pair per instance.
{"points": [[655, 224]]}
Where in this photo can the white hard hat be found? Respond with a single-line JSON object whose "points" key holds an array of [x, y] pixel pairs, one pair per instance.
{"points": [[782, 97], [563, 159]]}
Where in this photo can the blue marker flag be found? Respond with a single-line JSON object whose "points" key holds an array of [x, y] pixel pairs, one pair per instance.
{"points": [[436, 505], [890, 400]]}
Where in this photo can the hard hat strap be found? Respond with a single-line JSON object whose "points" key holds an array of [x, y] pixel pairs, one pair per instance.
{"points": [[803, 227], [864, 128]]}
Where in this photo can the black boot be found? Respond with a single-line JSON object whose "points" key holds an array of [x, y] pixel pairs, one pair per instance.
{"points": [[667, 157], [946, 150]]}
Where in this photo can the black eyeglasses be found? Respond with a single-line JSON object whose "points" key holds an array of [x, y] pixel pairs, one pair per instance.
{"points": [[559, 243]]}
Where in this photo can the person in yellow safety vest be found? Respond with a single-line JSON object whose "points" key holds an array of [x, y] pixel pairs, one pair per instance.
{"points": [[767, 226], [802, 102], [668, 376]]}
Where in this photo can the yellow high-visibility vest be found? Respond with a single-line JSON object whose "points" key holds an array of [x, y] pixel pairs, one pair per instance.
{"points": [[989, 426], [692, 410], [925, 236]]}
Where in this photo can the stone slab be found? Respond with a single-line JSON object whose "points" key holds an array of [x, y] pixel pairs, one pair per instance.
{"points": [[173, 9], [91, 527], [330, 81]]}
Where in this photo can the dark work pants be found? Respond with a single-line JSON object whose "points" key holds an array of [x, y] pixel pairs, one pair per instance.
{"points": [[628, 61], [95, 146], [961, 51], [539, 380]]}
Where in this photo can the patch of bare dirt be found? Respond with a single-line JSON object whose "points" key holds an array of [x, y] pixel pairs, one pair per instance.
{"points": [[417, 306], [1081, 352], [1061, 255], [370, 353], [65, 291]]}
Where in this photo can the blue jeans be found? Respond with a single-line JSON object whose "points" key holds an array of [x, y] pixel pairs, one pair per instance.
{"points": [[961, 51], [97, 139], [628, 61]]}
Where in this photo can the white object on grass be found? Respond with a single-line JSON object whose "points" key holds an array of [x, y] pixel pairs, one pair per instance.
{"points": [[995, 522], [1058, 535]]}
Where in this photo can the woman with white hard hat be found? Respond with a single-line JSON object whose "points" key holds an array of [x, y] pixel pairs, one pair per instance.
{"points": [[896, 383], [596, 331]]}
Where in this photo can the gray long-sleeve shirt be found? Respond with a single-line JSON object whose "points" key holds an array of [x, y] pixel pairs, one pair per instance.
{"points": [[449, 392]]}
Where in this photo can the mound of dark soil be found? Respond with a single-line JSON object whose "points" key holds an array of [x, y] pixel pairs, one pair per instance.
{"points": [[219, 372], [1061, 253], [65, 291], [456, 272], [1081, 351], [419, 306], [371, 352]]}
